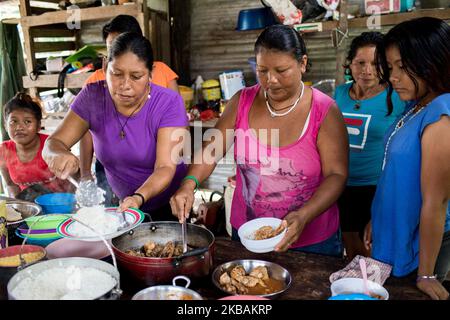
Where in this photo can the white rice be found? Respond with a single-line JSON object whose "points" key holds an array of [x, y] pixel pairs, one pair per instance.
{"points": [[72, 283], [95, 217]]}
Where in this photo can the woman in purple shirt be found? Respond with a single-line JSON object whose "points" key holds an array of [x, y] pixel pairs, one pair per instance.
{"points": [[132, 122]]}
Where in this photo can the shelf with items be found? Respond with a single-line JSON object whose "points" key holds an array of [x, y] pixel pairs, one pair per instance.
{"points": [[385, 20], [63, 27]]}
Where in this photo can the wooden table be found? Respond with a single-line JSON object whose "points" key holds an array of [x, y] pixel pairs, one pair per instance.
{"points": [[310, 274]]}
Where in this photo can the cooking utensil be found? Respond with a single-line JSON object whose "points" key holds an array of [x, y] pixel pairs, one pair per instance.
{"points": [[362, 264], [73, 181], [184, 236], [195, 263], [173, 292], [275, 271]]}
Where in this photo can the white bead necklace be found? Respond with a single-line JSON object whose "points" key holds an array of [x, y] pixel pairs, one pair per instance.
{"points": [[274, 114], [400, 124]]}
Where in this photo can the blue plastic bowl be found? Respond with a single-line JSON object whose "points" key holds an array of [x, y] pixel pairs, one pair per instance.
{"points": [[352, 296], [38, 242], [253, 19], [56, 202], [406, 5]]}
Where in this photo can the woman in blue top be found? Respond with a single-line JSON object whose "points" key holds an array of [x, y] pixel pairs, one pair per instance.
{"points": [[410, 211], [369, 109]]}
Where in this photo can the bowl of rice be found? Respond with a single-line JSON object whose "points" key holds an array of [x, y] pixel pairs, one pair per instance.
{"points": [[66, 279]]}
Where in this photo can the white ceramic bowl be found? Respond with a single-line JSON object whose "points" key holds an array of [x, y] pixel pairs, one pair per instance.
{"points": [[247, 230], [355, 285]]}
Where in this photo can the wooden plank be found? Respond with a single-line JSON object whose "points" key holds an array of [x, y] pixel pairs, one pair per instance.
{"points": [[24, 8], [87, 14], [341, 42], [51, 81], [11, 21], [54, 46], [52, 1], [39, 10], [51, 32], [395, 18]]}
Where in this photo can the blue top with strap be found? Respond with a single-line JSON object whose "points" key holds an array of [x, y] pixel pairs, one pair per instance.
{"points": [[397, 203]]}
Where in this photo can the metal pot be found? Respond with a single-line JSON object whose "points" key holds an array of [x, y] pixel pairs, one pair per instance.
{"points": [[112, 294], [196, 263], [172, 292]]}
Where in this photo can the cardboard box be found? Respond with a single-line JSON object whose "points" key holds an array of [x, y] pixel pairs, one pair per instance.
{"points": [[381, 6]]}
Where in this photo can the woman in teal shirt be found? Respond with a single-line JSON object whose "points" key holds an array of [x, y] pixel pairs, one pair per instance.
{"points": [[369, 109], [411, 212]]}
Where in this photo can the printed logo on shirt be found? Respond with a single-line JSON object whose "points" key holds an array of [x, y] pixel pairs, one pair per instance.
{"points": [[357, 128]]}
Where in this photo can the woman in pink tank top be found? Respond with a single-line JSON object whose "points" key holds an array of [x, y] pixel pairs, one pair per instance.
{"points": [[290, 147]]}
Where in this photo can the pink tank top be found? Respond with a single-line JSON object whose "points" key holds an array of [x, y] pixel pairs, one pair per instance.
{"points": [[273, 181]]}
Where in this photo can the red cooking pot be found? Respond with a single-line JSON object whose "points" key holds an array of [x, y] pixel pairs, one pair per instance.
{"points": [[196, 263]]}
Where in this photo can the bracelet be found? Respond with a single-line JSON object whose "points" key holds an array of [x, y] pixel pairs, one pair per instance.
{"points": [[433, 277], [140, 196], [197, 184]]}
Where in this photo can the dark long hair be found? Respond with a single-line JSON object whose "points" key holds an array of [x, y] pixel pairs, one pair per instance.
{"points": [[424, 46], [282, 38], [367, 39], [120, 24], [135, 43], [22, 101]]}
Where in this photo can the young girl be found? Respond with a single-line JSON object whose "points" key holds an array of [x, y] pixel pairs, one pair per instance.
{"points": [[410, 211], [21, 162]]}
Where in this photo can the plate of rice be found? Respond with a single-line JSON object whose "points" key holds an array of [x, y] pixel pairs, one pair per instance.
{"points": [[107, 223]]}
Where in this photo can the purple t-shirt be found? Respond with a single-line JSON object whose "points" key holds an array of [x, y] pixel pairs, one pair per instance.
{"points": [[130, 161]]}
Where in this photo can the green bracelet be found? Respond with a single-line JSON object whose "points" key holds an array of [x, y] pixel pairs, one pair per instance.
{"points": [[197, 184]]}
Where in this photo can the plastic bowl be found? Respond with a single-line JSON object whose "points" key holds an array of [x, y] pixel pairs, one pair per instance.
{"points": [[46, 222], [347, 286], [253, 19], [57, 202], [246, 231], [41, 240]]}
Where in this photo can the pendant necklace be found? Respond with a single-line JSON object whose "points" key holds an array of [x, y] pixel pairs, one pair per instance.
{"points": [[122, 126], [291, 107], [400, 124]]}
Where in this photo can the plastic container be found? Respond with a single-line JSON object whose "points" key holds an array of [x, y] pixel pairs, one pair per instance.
{"points": [[38, 242], [406, 5], [231, 81], [56, 202], [246, 231], [188, 96], [253, 19], [347, 286], [211, 90], [46, 222]]}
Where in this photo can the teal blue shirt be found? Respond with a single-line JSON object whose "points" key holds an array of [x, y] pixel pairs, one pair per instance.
{"points": [[366, 127]]}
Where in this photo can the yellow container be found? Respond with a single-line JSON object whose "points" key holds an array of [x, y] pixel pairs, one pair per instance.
{"points": [[211, 90], [188, 96]]}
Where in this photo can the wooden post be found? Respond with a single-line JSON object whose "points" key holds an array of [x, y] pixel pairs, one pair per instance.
{"points": [[341, 48], [30, 61]]}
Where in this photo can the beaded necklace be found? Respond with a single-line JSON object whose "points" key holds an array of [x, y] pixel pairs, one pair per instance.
{"points": [[274, 114], [400, 124]]}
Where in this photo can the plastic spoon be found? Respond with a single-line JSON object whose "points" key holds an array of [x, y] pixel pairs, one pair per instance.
{"points": [[362, 264]]}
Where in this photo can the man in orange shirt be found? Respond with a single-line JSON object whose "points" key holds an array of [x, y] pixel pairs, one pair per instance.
{"points": [[162, 75]]}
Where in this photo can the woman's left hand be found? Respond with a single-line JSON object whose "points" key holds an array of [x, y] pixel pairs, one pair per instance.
{"points": [[129, 202], [295, 223], [433, 288]]}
